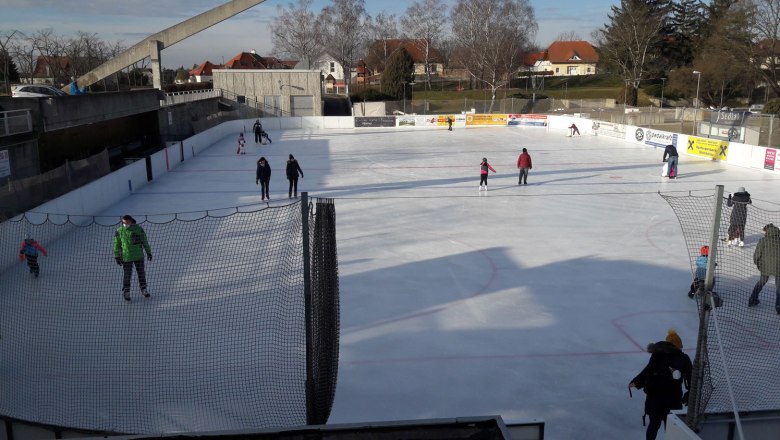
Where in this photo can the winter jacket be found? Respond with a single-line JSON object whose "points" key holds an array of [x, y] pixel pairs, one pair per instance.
{"points": [[739, 201], [257, 127], [483, 168], [670, 151], [664, 393], [524, 161], [130, 243], [701, 267], [31, 247], [263, 172], [293, 168], [767, 253]]}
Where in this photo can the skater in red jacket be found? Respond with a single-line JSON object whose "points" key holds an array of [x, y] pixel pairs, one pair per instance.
{"points": [[483, 173], [29, 251], [524, 165]]}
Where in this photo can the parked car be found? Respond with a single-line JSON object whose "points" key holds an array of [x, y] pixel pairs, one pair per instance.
{"points": [[35, 91], [756, 108]]}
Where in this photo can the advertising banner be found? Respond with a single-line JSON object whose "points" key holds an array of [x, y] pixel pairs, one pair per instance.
{"points": [[722, 117], [769, 159], [497, 119], [405, 121], [374, 121], [5, 164], [660, 138], [611, 129], [426, 121], [527, 120], [709, 148]]}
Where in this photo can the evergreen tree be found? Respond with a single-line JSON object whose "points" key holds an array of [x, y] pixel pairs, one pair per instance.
{"points": [[686, 23], [7, 65], [398, 72]]}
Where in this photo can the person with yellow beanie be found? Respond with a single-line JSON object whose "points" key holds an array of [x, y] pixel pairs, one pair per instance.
{"points": [[662, 379]]}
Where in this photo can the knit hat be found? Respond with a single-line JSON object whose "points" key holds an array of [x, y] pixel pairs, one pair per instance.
{"points": [[673, 338], [741, 189], [705, 251], [484, 159], [129, 218]]}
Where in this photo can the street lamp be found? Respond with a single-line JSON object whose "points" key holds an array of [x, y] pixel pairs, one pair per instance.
{"points": [[411, 83], [661, 104], [696, 110]]}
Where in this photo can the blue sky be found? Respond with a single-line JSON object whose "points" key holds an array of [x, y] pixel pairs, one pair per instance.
{"points": [[132, 20]]}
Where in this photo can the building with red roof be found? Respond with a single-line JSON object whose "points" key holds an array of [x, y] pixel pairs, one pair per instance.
{"points": [[380, 51], [564, 58]]}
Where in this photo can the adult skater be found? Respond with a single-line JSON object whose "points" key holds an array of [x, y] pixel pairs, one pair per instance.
{"points": [[257, 129], [241, 144], [263, 177], [293, 169], [483, 173], [671, 152], [524, 165], [29, 251], [449, 123], [574, 129], [668, 370], [767, 260], [738, 201], [130, 243]]}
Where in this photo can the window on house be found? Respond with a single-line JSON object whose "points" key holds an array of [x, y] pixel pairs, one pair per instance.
{"points": [[572, 70], [557, 70], [588, 69], [332, 66]]}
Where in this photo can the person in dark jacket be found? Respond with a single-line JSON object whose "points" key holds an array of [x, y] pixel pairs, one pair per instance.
{"points": [[130, 243], [671, 152], [449, 123], [263, 177], [524, 165], [29, 251], [767, 259], [257, 129], [667, 372], [739, 201], [293, 169]]}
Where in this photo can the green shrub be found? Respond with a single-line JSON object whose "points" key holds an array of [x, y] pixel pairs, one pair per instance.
{"points": [[772, 107]]}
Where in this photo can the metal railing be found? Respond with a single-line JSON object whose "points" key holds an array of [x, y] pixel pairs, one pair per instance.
{"points": [[190, 96], [15, 122]]}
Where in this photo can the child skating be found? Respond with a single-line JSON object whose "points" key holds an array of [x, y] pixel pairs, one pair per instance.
{"points": [[483, 173], [29, 251], [241, 144]]}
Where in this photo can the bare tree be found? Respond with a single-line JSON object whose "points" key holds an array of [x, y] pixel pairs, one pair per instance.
{"points": [[295, 32], [52, 48], [492, 35], [767, 28], [343, 31], [424, 23], [380, 30], [568, 36], [24, 52], [629, 41], [6, 41]]}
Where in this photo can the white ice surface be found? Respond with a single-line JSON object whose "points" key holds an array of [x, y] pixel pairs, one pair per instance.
{"points": [[531, 302]]}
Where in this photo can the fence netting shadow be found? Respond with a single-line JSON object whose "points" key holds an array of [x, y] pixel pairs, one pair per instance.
{"points": [[221, 344]]}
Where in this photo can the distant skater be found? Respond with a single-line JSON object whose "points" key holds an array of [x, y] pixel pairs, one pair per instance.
{"points": [[449, 123], [263, 177], [241, 144], [483, 173], [574, 130], [738, 202], [293, 169], [671, 152], [257, 129], [29, 251], [524, 165]]}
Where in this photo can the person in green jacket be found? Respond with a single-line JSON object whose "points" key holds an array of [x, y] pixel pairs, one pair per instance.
{"points": [[767, 259], [129, 245]]}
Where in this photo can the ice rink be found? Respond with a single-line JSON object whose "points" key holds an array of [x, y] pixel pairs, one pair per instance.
{"points": [[530, 302]]}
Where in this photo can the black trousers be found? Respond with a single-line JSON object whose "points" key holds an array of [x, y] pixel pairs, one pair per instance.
{"points": [[32, 263], [258, 138], [264, 188], [127, 267], [483, 179], [654, 425], [762, 280], [523, 175], [293, 187]]}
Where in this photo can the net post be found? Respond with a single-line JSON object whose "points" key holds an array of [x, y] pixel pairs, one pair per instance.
{"points": [[310, 397], [695, 410]]}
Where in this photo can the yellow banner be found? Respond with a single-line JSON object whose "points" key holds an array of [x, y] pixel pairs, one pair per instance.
{"points": [[709, 148], [442, 119], [500, 119]]}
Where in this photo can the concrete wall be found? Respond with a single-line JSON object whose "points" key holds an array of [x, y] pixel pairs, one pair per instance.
{"points": [[256, 84], [71, 111]]}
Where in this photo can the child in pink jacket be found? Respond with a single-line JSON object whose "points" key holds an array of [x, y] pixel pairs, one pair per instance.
{"points": [[483, 173], [29, 251]]}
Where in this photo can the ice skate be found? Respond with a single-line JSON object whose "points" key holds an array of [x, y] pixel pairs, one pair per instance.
{"points": [[145, 293], [741, 243], [126, 295]]}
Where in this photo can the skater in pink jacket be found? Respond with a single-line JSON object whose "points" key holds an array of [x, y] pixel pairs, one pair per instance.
{"points": [[483, 173]]}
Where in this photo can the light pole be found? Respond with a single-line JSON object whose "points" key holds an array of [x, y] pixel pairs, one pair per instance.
{"points": [[696, 110], [411, 84], [661, 104], [625, 98]]}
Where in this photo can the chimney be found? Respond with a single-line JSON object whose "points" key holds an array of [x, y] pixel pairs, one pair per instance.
{"points": [[252, 52]]}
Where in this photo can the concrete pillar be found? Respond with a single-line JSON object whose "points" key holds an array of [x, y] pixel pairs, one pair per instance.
{"points": [[155, 47]]}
